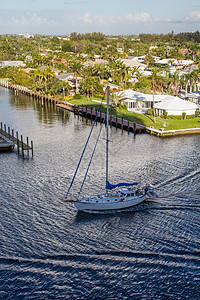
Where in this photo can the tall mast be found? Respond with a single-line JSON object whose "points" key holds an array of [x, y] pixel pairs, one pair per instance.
{"points": [[107, 126]]}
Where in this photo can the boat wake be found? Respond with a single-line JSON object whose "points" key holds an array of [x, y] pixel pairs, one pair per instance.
{"points": [[180, 178]]}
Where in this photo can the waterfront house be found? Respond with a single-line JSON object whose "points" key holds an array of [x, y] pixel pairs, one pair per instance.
{"points": [[175, 106], [138, 102]]}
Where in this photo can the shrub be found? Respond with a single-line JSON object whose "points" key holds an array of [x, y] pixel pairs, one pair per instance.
{"points": [[165, 115], [184, 115], [77, 96], [175, 117], [190, 117], [196, 113], [123, 106], [150, 112]]}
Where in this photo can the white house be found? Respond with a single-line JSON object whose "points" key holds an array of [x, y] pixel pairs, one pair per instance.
{"points": [[194, 97], [175, 106], [138, 102]]}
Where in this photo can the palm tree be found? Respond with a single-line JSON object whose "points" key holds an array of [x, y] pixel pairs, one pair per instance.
{"points": [[100, 70], [175, 83], [116, 98], [194, 75], [127, 75], [44, 76], [85, 85], [155, 83], [76, 67], [50, 72], [65, 86], [185, 82], [94, 83], [115, 67]]}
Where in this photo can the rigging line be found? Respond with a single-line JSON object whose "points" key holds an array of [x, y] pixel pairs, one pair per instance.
{"points": [[85, 147], [91, 157]]}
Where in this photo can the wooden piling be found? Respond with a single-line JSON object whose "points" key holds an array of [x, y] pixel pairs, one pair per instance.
{"points": [[27, 144], [15, 140], [32, 147], [17, 134], [134, 128], [22, 145]]}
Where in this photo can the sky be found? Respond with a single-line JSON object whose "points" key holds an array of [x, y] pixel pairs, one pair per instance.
{"points": [[111, 17]]}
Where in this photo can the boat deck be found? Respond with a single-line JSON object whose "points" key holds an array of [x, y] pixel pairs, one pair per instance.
{"points": [[123, 195]]}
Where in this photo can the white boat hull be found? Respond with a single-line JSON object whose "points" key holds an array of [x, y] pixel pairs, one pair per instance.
{"points": [[108, 206]]}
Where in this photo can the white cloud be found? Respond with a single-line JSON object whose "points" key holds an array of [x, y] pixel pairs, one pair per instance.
{"points": [[142, 17], [102, 20], [30, 19], [115, 19], [194, 16], [86, 18], [67, 21]]}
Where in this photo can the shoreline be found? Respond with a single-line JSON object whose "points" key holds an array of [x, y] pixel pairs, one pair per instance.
{"points": [[116, 121], [124, 123]]}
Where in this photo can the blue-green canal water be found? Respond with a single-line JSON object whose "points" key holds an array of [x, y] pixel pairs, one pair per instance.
{"points": [[49, 251]]}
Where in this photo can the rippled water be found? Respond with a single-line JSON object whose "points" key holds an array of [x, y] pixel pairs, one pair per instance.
{"points": [[50, 251]]}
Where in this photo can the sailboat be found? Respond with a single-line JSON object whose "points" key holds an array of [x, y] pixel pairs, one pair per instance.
{"points": [[129, 194]]}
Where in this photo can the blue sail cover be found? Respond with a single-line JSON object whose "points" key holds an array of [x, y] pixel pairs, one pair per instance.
{"points": [[110, 186]]}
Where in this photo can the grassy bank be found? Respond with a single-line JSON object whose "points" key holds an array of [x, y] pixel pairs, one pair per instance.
{"points": [[146, 120]]}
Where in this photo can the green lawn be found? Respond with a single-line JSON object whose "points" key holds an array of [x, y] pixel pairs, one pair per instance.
{"points": [[167, 124]]}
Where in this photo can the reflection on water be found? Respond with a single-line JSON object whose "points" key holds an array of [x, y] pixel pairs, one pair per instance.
{"points": [[46, 111], [49, 251]]}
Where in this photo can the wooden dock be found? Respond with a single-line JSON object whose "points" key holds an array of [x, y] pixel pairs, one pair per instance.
{"points": [[6, 144], [18, 90], [89, 113], [8, 138]]}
